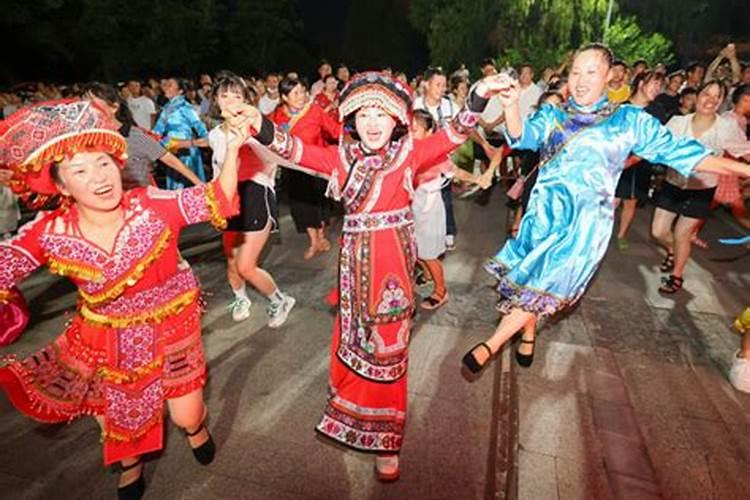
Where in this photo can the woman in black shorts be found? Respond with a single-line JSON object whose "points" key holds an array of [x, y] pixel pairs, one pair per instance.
{"points": [[684, 203], [635, 180], [248, 232]]}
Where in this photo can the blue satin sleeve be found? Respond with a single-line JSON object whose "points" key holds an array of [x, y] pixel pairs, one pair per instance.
{"points": [[657, 144], [536, 128], [194, 122]]}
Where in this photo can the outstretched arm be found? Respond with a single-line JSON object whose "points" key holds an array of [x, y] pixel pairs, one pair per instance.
{"points": [[723, 166]]}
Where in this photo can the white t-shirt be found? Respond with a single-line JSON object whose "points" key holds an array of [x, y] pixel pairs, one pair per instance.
{"points": [[491, 113], [442, 113], [142, 108], [266, 105], [723, 136], [528, 99]]}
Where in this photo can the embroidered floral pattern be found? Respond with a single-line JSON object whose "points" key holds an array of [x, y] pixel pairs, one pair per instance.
{"points": [[360, 222], [514, 296], [133, 412], [393, 299], [360, 434], [15, 264]]}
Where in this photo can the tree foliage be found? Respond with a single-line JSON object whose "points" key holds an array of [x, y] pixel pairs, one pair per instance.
{"points": [[539, 32], [629, 43]]}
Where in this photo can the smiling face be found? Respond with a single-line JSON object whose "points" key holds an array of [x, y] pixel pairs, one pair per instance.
{"points": [[651, 89], [296, 97], [92, 180], [331, 84], [229, 96], [588, 77], [436, 87], [709, 99], [170, 88], [374, 127]]}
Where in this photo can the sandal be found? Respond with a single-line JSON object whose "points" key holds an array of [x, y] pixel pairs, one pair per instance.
{"points": [[206, 452], [667, 265], [431, 303], [525, 360], [670, 285], [470, 361], [135, 489]]}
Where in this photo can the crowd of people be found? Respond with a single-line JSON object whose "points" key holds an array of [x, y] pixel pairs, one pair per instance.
{"points": [[116, 172]]}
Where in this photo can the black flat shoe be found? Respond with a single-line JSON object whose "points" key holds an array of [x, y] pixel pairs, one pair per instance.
{"points": [[134, 490], [525, 360], [206, 452], [471, 363]]}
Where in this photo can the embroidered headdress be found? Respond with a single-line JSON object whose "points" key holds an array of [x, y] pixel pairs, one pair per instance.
{"points": [[377, 89], [34, 138]]}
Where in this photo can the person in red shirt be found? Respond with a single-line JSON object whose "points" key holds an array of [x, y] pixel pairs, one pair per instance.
{"points": [[314, 126]]}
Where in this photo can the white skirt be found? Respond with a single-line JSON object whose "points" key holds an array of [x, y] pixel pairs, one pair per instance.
{"points": [[429, 223]]}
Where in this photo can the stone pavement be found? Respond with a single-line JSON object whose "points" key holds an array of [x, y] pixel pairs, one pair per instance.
{"points": [[628, 397], [267, 389]]}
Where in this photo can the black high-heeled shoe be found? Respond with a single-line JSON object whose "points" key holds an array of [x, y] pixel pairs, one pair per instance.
{"points": [[525, 360], [206, 452], [470, 361], [134, 490]]}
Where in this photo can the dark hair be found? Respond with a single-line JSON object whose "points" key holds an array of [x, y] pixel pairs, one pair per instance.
{"points": [[433, 71], [457, 80], [425, 118], [602, 49], [287, 85], [54, 172], [722, 88], [640, 61], [693, 66], [546, 95], [688, 91], [111, 96], [644, 78], [740, 92], [330, 76], [350, 127], [228, 81], [526, 65], [488, 62], [323, 62], [619, 62]]}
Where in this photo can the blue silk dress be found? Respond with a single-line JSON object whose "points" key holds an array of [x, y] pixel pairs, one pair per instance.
{"points": [[178, 120], [566, 229]]}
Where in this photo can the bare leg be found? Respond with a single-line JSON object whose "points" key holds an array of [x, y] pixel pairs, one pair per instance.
{"points": [[683, 233], [189, 412], [247, 261], [529, 333], [661, 228], [231, 243], [509, 325], [312, 233], [626, 217]]}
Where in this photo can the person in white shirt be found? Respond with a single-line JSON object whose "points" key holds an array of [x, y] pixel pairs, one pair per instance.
{"points": [[685, 202], [270, 100], [141, 107], [435, 102], [530, 91]]}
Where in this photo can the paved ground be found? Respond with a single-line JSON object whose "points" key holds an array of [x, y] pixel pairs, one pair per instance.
{"points": [[267, 390], [627, 397]]}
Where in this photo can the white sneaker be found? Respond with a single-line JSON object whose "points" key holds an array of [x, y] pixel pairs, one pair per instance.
{"points": [[240, 307], [450, 242], [279, 312], [739, 373]]}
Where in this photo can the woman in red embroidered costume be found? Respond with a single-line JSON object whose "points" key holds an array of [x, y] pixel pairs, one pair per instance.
{"points": [[135, 340], [373, 175], [313, 125]]}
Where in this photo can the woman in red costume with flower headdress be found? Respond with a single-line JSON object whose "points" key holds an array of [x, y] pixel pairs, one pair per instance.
{"points": [[373, 176], [313, 125], [135, 341]]}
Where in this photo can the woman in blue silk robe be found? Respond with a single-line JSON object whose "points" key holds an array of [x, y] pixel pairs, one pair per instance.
{"points": [[566, 230], [178, 121]]}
